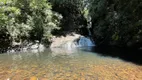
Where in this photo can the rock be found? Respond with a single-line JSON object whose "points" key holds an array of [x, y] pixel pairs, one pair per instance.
{"points": [[33, 78], [61, 42], [71, 41]]}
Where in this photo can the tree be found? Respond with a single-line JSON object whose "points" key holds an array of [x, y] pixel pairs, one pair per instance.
{"points": [[28, 19], [72, 12], [117, 22]]}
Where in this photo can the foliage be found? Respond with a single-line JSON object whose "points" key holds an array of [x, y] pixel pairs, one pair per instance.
{"points": [[117, 22], [114, 22], [72, 12], [28, 19]]}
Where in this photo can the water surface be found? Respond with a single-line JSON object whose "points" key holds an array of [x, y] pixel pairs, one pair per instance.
{"points": [[62, 64]]}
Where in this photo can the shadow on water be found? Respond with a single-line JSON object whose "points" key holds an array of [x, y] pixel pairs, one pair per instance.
{"points": [[125, 54]]}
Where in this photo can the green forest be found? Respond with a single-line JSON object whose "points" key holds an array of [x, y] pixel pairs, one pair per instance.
{"points": [[114, 22]]}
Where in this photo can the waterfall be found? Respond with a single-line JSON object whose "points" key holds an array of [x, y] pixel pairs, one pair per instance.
{"points": [[71, 42], [85, 42], [89, 32], [89, 25], [82, 42]]}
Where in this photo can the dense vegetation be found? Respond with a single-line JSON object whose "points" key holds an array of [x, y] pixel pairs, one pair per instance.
{"points": [[117, 22], [28, 20], [114, 22], [73, 15]]}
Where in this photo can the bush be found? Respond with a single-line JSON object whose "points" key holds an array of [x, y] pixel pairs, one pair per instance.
{"points": [[28, 19]]}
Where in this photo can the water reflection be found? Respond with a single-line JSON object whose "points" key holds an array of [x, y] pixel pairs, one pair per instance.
{"points": [[62, 51]]}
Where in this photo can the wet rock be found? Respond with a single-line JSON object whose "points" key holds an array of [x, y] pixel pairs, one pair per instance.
{"points": [[33, 78], [64, 41]]}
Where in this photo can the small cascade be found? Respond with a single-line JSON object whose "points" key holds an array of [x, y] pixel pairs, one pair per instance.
{"points": [[89, 32], [89, 26], [82, 42], [72, 42], [85, 42]]}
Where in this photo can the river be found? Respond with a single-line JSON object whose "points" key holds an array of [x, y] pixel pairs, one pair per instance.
{"points": [[60, 64]]}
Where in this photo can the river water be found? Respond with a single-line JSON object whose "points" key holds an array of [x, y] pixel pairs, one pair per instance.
{"points": [[61, 64]]}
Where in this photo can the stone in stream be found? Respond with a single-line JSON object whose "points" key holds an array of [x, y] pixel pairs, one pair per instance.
{"points": [[33, 78]]}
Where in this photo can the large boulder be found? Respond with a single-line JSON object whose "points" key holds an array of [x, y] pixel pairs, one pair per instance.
{"points": [[64, 41]]}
